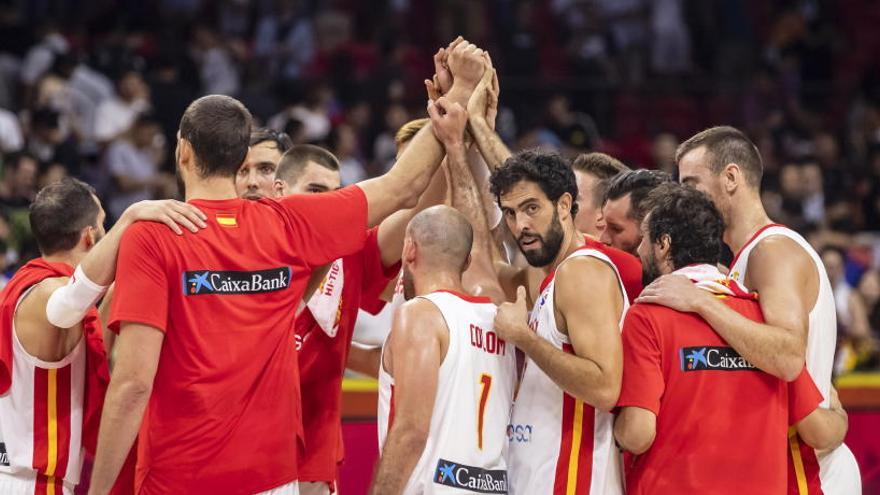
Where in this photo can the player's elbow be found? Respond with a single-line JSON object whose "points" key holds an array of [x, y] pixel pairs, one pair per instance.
{"points": [[823, 429], [132, 390], [633, 437], [791, 366], [605, 398], [412, 435]]}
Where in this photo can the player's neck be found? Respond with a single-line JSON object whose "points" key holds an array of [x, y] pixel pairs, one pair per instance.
{"points": [[572, 240], [211, 188], [67, 257], [432, 282], [745, 221]]}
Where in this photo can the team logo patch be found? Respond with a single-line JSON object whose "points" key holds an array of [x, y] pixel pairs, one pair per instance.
{"points": [[713, 358], [202, 282], [4, 458], [469, 478]]}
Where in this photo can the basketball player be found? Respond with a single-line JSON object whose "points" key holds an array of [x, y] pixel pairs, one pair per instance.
{"points": [[325, 326], [684, 386], [624, 208], [53, 365], [223, 412], [786, 272], [256, 177], [594, 172]]}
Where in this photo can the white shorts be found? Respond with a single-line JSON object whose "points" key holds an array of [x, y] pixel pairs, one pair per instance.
{"points": [[291, 488], [25, 484], [839, 473], [315, 488]]}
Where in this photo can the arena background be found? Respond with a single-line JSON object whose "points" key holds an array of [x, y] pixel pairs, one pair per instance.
{"points": [[631, 78]]}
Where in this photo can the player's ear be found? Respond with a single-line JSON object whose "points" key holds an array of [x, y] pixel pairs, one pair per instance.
{"points": [[731, 177], [87, 237], [467, 263], [279, 186], [563, 205], [664, 246], [409, 250], [185, 154]]}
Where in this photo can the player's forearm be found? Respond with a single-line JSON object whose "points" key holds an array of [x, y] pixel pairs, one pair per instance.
{"points": [[400, 454], [99, 264], [578, 376], [364, 360], [824, 429], [493, 149], [774, 350], [121, 419]]}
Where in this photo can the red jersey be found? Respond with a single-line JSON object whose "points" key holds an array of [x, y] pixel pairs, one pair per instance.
{"points": [[224, 415], [628, 266], [722, 424], [323, 352]]}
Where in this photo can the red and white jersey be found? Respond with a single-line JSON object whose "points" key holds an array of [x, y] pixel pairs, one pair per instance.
{"points": [[839, 472], [558, 444], [41, 422], [467, 440]]}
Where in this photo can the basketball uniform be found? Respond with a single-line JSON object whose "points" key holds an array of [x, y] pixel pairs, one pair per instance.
{"points": [[40, 422], [837, 470], [467, 443], [558, 444]]}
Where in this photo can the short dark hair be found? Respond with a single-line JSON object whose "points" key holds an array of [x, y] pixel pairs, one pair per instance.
{"points": [[691, 221], [59, 212], [724, 145], [219, 129], [263, 134], [294, 161], [638, 184], [604, 168], [548, 169]]}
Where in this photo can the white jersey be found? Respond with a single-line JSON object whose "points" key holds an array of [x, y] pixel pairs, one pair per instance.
{"points": [[467, 443], [41, 422], [839, 471], [559, 444]]}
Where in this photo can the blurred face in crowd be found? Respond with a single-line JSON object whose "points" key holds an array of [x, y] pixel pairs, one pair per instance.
{"points": [[534, 221], [25, 176], [132, 86], [834, 265], [313, 179], [589, 216], [621, 230], [256, 177], [146, 134]]}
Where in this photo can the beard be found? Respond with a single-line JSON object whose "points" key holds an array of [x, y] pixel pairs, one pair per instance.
{"points": [[551, 242], [650, 270], [409, 286]]}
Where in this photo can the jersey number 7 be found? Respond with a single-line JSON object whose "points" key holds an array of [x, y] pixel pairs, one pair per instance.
{"points": [[486, 384]]}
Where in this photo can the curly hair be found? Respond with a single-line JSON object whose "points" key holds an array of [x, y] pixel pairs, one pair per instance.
{"points": [[691, 221], [548, 169]]}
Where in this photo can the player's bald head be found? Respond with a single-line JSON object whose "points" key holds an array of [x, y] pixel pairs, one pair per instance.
{"points": [[443, 237]]}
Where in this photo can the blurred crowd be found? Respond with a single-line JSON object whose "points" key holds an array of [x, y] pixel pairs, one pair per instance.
{"points": [[95, 89]]}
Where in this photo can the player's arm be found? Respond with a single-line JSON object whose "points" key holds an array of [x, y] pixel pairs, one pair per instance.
{"points": [[401, 186], [364, 359], [68, 304], [104, 314], [449, 120], [482, 109], [593, 372], [635, 429], [414, 355], [825, 429], [779, 272], [137, 351]]}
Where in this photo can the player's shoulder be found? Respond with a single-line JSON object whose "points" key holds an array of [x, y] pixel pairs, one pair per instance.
{"points": [[779, 248], [418, 318], [585, 269]]}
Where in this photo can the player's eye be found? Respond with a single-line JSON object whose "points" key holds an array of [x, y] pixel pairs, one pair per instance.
{"points": [[267, 170], [532, 209]]}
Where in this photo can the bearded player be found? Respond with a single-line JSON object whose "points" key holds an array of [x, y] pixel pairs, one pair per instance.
{"points": [[795, 294], [53, 366]]}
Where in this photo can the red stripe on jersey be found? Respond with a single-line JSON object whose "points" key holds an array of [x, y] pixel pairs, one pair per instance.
{"points": [[41, 420], [585, 454], [560, 484], [803, 469], [751, 240], [41, 485], [62, 402]]}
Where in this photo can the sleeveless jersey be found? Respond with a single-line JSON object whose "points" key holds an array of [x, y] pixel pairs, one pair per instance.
{"points": [[558, 444], [467, 443], [838, 470], [40, 420]]}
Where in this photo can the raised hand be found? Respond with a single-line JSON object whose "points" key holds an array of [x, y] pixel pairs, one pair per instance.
{"points": [[448, 120], [466, 63], [512, 319], [483, 103], [171, 212]]}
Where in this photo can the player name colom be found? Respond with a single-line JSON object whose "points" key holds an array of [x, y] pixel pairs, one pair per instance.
{"points": [[203, 282]]}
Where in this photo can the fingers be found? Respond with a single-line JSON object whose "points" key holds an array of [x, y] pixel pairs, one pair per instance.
{"points": [[433, 93], [455, 43], [189, 218], [520, 294], [433, 110], [167, 220]]}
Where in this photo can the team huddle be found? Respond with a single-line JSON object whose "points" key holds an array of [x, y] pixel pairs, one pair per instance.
{"points": [[559, 327]]}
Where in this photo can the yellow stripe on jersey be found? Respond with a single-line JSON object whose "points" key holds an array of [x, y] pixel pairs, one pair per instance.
{"points": [[50, 485], [52, 430], [797, 461], [576, 434]]}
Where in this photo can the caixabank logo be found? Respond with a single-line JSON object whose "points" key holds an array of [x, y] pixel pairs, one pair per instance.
{"points": [[713, 358], [470, 478], [204, 282]]}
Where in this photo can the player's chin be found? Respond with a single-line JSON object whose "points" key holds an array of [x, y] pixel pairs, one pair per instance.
{"points": [[253, 196]]}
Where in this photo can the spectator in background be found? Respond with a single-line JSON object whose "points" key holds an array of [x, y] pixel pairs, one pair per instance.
{"points": [[385, 147], [313, 112], [217, 67], [284, 40], [49, 142], [116, 115], [576, 130], [663, 152], [11, 138], [344, 143], [133, 160], [19, 185]]}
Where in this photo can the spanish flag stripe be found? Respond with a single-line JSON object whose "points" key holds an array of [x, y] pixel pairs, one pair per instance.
{"points": [[798, 462]]}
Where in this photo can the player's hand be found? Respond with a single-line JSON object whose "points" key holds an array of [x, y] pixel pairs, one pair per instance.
{"points": [[448, 120], [673, 291], [512, 319], [483, 103], [173, 213], [834, 401], [466, 63]]}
